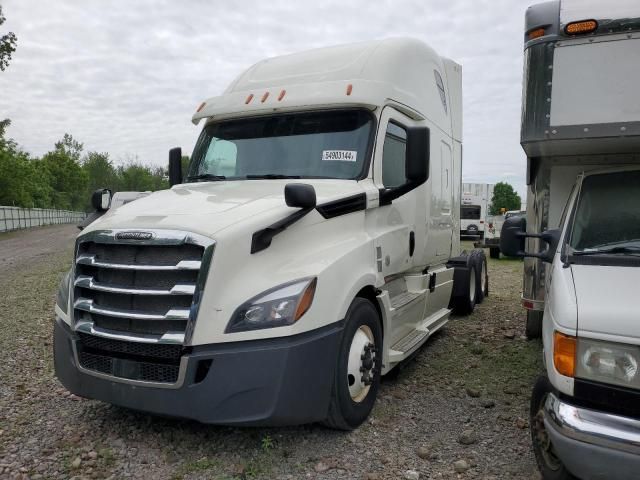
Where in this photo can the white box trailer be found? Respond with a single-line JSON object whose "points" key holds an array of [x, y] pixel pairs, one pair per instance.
{"points": [[581, 134], [313, 246], [474, 209]]}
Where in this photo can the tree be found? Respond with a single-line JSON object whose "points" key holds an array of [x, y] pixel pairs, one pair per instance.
{"points": [[504, 196], [68, 179], [100, 174], [8, 44]]}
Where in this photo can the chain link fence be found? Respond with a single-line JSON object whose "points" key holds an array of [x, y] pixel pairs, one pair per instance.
{"points": [[16, 218]]}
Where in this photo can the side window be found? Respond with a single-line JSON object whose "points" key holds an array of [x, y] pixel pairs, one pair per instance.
{"points": [[220, 158], [394, 155]]}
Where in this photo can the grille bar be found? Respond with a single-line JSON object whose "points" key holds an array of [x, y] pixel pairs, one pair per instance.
{"points": [[86, 281], [87, 305], [91, 260]]}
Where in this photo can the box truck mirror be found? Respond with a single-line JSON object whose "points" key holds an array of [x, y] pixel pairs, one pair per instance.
{"points": [[175, 166], [512, 239], [300, 195]]}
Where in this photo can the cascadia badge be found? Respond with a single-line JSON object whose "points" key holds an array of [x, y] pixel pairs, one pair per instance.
{"points": [[134, 236]]}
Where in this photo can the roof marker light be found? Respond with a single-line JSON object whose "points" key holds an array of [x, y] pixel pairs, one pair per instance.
{"points": [[281, 96], [349, 89], [249, 98], [536, 33], [201, 106], [264, 97], [584, 26]]}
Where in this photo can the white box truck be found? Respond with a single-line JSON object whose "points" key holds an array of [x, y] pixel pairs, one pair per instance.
{"points": [[581, 134], [311, 248], [474, 208]]}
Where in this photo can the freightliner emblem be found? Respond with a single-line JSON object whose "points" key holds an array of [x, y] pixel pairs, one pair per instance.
{"points": [[134, 235]]}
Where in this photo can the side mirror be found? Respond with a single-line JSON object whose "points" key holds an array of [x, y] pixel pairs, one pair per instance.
{"points": [[101, 200], [512, 240], [417, 160], [300, 195], [175, 166], [512, 237]]}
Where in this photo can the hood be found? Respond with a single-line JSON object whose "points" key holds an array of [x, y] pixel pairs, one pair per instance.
{"points": [[209, 207], [606, 300]]}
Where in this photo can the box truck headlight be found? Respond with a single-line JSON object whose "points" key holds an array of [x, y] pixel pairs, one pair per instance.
{"points": [[277, 307], [608, 362], [62, 297]]}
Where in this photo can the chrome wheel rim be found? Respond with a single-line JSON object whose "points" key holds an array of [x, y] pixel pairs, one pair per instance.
{"points": [[361, 364]]}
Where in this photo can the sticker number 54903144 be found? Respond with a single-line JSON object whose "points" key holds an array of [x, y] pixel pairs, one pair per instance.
{"points": [[339, 155]]}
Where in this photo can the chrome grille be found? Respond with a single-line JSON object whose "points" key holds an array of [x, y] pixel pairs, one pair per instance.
{"points": [[147, 286]]}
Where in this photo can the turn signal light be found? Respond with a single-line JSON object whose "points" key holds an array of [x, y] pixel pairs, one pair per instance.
{"points": [[306, 300], [536, 33], [564, 354], [585, 26]]}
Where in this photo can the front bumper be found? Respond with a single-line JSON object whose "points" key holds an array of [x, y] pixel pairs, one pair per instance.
{"points": [[593, 445], [283, 381]]}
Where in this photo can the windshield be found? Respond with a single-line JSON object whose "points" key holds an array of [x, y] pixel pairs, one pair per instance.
{"points": [[608, 212], [329, 144], [470, 212]]}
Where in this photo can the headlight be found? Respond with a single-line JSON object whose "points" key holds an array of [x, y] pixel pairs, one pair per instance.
{"points": [[608, 362], [277, 307], [62, 297]]}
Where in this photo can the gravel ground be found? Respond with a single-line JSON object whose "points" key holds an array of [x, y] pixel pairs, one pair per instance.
{"points": [[457, 410]]}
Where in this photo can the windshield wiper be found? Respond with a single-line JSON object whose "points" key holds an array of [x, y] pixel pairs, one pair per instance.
{"points": [[609, 251], [207, 176], [271, 176]]}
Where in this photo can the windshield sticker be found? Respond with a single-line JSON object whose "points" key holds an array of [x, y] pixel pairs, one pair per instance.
{"points": [[339, 155]]}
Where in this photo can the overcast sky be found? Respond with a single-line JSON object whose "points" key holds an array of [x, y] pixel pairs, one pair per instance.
{"points": [[124, 77]]}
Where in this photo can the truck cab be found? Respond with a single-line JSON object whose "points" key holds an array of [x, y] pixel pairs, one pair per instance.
{"points": [[580, 238], [311, 248]]}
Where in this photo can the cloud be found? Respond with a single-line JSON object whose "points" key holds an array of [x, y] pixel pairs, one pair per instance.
{"points": [[125, 77]]}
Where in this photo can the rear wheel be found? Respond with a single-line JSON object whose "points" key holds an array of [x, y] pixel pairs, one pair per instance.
{"points": [[357, 375], [550, 466], [494, 252], [466, 302], [533, 328], [482, 277]]}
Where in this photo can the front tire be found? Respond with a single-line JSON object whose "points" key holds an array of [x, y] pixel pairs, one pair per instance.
{"points": [[550, 466], [533, 327], [357, 375]]}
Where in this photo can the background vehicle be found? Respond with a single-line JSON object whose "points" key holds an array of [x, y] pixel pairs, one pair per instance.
{"points": [[312, 247], [474, 208], [492, 231], [581, 133]]}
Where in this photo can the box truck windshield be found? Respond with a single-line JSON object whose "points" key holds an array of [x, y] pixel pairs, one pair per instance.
{"points": [[608, 213], [330, 144]]}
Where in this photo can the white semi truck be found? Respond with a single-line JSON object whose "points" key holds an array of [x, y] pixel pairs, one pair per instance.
{"points": [[311, 248], [581, 134]]}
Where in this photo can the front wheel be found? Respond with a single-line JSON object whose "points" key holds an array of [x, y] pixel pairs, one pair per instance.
{"points": [[533, 327], [357, 375], [494, 252], [550, 466]]}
